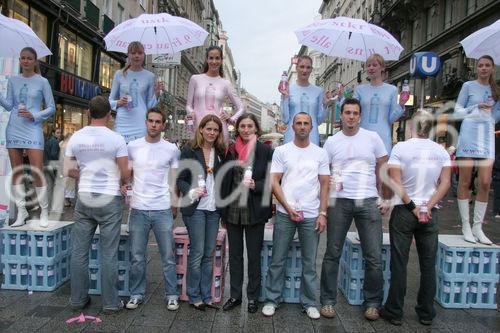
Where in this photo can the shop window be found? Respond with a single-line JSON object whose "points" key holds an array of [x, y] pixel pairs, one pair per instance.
{"points": [[74, 118], [75, 54], [21, 11], [107, 71]]}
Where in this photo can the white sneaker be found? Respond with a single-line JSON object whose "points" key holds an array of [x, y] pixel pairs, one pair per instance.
{"points": [[133, 303], [312, 312], [268, 310], [172, 305]]}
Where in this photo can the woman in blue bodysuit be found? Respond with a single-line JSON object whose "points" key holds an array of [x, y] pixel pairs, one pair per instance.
{"points": [[25, 94], [133, 92], [478, 106]]}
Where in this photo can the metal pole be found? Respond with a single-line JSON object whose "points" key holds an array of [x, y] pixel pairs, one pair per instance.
{"points": [[422, 94], [174, 107]]}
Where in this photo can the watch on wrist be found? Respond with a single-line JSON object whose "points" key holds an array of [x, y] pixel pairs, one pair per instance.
{"points": [[323, 213], [410, 206]]}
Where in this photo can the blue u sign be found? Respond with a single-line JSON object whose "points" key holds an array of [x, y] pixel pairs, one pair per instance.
{"points": [[424, 64]]}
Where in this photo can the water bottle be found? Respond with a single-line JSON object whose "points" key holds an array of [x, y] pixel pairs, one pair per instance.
{"points": [[484, 292], [13, 273], [337, 178], [448, 258], [50, 246], [423, 214], [93, 248], [297, 282], [405, 91], [179, 252], [353, 288], [128, 197], [457, 292], [24, 274], [217, 287], [39, 246], [247, 176], [51, 278], [355, 259], [121, 249], [13, 242], [298, 209], [210, 98], [129, 102], [283, 85], [487, 262], [93, 278], [446, 291], [474, 267], [374, 107], [64, 240], [189, 124], [23, 242], [39, 275], [473, 292], [488, 99], [269, 252], [460, 262], [202, 184], [121, 279], [179, 283], [218, 256], [304, 103], [134, 93], [288, 282], [23, 95]]}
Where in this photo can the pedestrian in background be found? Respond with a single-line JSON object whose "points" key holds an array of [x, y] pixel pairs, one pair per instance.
{"points": [[207, 92], [303, 96], [454, 170], [379, 101], [51, 163], [478, 106], [247, 219], [420, 170], [25, 94], [201, 217], [133, 92]]}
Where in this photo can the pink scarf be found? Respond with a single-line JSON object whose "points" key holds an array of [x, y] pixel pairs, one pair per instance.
{"points": [[244, 149]]}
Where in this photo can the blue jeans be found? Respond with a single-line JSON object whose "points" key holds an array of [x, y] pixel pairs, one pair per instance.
{"points": [[284, 229], [202, 228], [141, 222], [369, 224], [403, 227], [109, 218]]}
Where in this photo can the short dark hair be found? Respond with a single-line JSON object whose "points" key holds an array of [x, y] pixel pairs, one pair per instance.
{"points": [[159, 111], [251, 116], [99, 107], [302, 113], [351, 101]]}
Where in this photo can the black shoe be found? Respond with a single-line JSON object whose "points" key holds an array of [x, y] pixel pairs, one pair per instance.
{"points": [[253, 306], [81, 307], [200, 307], [425, 322], [388, 317], [212, 306], [231, 304]]}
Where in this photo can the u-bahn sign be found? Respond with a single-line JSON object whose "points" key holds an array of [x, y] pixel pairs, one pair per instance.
{"points": [[424, 64]]}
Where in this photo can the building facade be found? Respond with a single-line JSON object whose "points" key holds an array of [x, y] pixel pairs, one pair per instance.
{"points": [[436, 26]]}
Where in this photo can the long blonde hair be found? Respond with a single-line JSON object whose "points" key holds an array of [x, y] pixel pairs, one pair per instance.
{"points": [[132, 47], [219, 144], [495, 90]]}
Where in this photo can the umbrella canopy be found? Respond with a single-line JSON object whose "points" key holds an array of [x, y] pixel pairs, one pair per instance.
{"points": [[16, 35], [159, 33], [350, 38], [485, 41]]}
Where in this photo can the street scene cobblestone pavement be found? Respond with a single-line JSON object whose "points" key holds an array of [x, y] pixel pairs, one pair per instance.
{"points": [[48, 311]]}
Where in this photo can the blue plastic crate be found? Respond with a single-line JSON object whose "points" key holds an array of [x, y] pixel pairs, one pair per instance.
{"points": [[352, 254], [95, 280], [124, 256], [64, 268], [66, 240], [483, 293], [291, 288], [293, 261], [453, 260], [452, 291], [44, 274], [16, 273], [484, 262], [14, 243]]}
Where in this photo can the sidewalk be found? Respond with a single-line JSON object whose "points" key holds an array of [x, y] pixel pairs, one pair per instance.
{"points": [[47, 312]]}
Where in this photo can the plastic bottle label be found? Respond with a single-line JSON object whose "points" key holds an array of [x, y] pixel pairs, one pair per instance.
{"points": [[449, 259], [473, 289], [50, 273], [22, 241], [475, 260], [486, 260], [12, 241], [447, 289], [121, 277], [484, 290], [457, 290], [13, 271], [39, 272], [460, 259]]}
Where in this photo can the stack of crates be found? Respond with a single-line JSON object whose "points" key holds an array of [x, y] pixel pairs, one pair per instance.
{"points": [[467, 273], [124, 259], [293, 271], [352, 268], [35, 258], [181, 238]]}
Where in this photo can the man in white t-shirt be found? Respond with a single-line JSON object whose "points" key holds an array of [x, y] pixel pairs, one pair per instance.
{"points": [[154, 163], [420, 169], [102, 164], [355, 155], [299, 178]]}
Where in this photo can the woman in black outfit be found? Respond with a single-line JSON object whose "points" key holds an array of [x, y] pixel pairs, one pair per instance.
{"points": [[248, 215]]}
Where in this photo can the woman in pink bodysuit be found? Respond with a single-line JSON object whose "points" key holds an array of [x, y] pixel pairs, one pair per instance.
{"points": [[207, 91]]}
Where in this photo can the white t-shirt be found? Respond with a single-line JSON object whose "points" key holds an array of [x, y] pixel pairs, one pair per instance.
{"points": [[421, 162], [96, 149], [151, 163], [301, 168], [356, 158], [207, 202]]}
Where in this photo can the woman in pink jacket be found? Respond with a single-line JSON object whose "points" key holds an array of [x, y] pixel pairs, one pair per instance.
{"points": [[207, 92]]}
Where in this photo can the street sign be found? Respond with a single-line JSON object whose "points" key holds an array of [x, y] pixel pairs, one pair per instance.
{"points": [[166, 60], [424, 64]]}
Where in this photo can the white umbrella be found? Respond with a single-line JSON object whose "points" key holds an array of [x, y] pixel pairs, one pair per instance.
{"points": [[485, 41], [159, 33], [16, 35], [350, 38]]}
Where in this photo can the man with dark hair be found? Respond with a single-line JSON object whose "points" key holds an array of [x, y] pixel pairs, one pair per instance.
{"points": [[101, 165], [51, 159], [355, 156], [154, 164]]}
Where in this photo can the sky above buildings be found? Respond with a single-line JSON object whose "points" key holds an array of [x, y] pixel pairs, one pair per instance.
{"points": [[262, 41]]}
